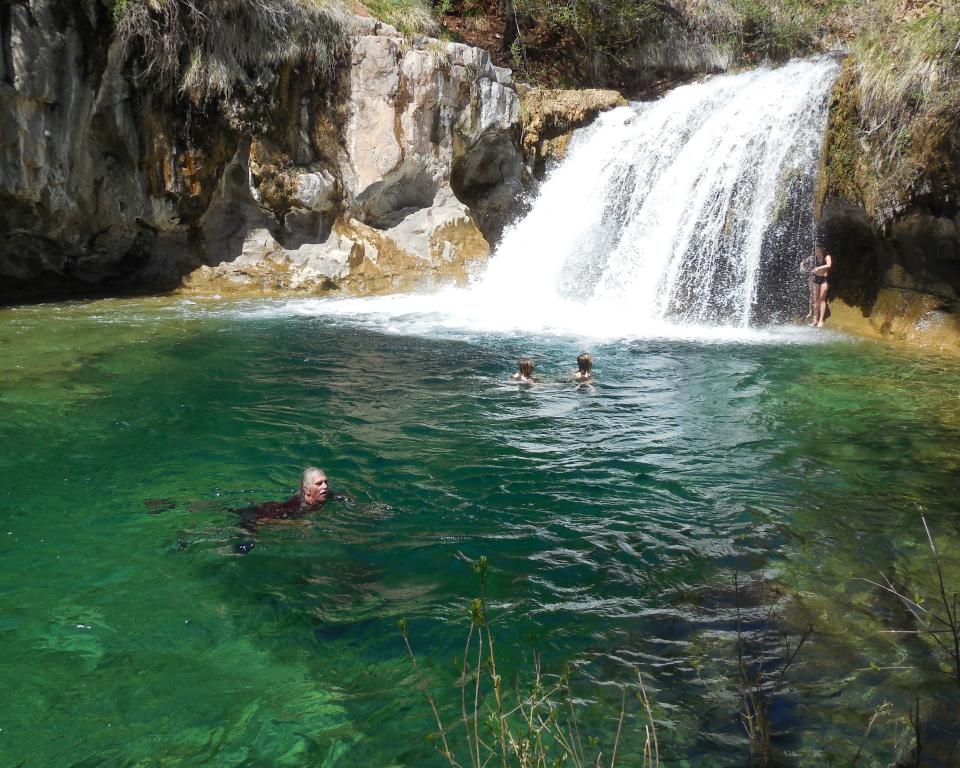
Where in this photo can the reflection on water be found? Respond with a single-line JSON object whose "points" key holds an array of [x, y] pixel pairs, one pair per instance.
{"points": [[614, 518]]}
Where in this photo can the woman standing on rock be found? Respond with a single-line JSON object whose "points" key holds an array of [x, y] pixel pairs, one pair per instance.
{"points": [[821, 278]]}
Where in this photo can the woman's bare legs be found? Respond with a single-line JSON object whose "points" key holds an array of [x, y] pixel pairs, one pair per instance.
{"points": [[822, 303]]}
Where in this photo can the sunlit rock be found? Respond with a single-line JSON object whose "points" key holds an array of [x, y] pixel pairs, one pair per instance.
{"points": [[290, 185], [550, 117]]}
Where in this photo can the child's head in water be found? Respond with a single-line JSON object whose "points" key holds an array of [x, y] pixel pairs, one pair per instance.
{"points": [[584, 367], [524, 369]]}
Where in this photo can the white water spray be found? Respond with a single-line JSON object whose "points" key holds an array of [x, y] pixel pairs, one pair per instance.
{"points": [[658, 219], [660, 210]]}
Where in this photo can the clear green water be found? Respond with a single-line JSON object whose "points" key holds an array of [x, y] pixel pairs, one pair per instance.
{"points": [[614, 518]]}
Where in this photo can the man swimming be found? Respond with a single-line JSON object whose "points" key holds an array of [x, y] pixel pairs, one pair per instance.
{"points": [[314, 487], [314, 492]]}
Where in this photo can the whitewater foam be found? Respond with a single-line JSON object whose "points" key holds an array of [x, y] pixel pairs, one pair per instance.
{"points": [[657, 224]]}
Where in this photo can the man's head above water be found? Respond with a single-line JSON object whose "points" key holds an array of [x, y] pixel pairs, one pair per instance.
{"points": [[314, 487]]}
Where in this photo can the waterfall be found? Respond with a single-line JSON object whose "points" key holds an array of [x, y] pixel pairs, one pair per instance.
{"points": [[683, 217], [673, 210]]}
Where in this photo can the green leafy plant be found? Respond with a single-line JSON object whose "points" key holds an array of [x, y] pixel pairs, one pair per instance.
{"points": [[516, 52], [119, 7]]}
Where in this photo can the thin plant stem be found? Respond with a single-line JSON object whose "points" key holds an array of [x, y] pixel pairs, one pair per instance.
{"points": [[954, 628], [476, 699], [652, 725], [436, 715], [880, 710], [463, 686], [616, 740], [576, 732], [497, 692]]}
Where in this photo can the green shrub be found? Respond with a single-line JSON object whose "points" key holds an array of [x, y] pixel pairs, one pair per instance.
{"points": [[119, 6]]}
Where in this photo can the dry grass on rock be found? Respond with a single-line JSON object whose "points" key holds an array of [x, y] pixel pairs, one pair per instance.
{"points": [[908, 70], [208, 49], [412, 17], [892, 136]]}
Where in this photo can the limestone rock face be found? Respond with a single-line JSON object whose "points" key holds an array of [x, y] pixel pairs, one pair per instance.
{"points": [[393, 175], [384, 214], [69, 214], [421, 119], [315, 191]]}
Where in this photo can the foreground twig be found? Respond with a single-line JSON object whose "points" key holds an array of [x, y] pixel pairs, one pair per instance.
{"points": [[530, 733], [421, 683], [934, 624]]}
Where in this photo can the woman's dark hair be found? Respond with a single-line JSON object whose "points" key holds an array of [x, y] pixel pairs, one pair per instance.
{"points": [[525, 366], [585, 362]]}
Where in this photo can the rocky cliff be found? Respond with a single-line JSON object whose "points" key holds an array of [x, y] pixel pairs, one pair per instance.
{"points": [[894, 228], [890, 181], [395, 166], [393, 172]]}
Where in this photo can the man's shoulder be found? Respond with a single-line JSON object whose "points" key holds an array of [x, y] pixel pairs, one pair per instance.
{"points": [[278, 508]]}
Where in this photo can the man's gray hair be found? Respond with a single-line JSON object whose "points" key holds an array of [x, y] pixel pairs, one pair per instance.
{"points": [[308, 473]]}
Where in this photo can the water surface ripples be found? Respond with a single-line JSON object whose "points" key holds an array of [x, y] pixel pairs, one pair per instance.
{"points": [[614, 517]]}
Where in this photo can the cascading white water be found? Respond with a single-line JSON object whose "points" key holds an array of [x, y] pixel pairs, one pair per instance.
{"points": [[665, 219], [660, 210]]}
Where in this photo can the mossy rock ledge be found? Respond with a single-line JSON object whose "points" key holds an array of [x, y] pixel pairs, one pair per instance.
{"points": [[550, 116], [893, 226]]}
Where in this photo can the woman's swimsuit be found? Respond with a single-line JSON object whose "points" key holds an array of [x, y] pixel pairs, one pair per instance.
{"points": [[821, 279]]}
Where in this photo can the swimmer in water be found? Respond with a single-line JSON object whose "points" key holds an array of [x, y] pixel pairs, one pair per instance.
{"points": [[315, 491], [584, 372], [524, 374]]}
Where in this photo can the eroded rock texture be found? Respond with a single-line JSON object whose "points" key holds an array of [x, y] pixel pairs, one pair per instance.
{"points": [[394, 174]]}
